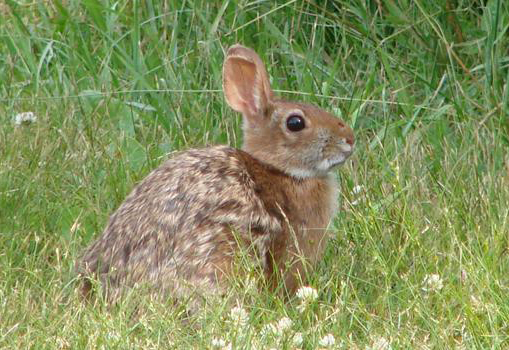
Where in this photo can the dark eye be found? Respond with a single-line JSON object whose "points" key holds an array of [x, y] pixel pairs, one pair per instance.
{"points": [[295, 123]]}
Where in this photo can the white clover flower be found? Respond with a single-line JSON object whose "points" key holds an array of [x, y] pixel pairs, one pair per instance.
{"points": [[357, 192], [239, 316], [218, 343], [432, 283], [268, 329], [380, 343], [327, 341], [283, 325], [298, 339], [25, 118], [276, 328], [357, 189], [307, 294], [250, 285]]}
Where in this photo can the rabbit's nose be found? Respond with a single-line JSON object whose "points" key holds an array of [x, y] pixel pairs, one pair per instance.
{"points": [[350, 139]]}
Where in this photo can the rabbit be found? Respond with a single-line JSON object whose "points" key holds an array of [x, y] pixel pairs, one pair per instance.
{"points": [[179, 229]]}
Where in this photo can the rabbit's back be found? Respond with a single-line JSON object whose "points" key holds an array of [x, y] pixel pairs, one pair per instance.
{"points": [[177, 226]]}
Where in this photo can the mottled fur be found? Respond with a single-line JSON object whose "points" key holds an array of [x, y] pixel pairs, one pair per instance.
{"points": [[181, 226]]}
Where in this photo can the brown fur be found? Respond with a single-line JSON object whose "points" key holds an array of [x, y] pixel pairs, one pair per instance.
{"points": [[179, 229]]}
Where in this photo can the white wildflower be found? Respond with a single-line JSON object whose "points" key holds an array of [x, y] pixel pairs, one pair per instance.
{"points": [[298, 339], [432, 283], [25, 118], [380, 343], [283, 325], [327, 341], [276, 328], [250, 285], [357, 192], [218, 343], [307, 294], [357, 189], [268, 330], [239, 316]]}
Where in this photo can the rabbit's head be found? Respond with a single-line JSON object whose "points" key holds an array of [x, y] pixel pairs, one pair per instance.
{"points": [[299, 139]]}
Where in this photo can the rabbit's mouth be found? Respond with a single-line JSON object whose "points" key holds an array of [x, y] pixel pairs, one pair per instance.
{"points": [[340, 155], [327, 164], [323, 167], [338, 160]]}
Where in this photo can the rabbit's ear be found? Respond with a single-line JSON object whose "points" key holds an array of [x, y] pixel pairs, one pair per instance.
{"points": [[246, 83]]}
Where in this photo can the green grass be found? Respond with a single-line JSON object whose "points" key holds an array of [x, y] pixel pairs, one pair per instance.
{"points": [[116, 86]]}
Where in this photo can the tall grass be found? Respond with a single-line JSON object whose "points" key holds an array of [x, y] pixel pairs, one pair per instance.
{"points": [[117, 86]]}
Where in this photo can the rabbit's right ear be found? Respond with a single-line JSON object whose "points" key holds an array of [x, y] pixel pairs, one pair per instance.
{"points": [[246, 83]]}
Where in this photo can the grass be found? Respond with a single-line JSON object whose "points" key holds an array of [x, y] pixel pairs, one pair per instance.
{"points": [[116, 86]]}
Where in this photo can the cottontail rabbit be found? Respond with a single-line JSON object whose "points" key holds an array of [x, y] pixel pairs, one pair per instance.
{"points": [[182, 225]]}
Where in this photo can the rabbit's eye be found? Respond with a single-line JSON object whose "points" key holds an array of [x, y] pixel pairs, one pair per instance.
{"points": [[295, 123]]}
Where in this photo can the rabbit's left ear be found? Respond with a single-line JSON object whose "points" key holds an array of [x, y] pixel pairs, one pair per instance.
{"points": [[246, 83]]}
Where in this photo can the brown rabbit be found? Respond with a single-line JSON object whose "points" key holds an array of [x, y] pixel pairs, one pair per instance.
{"points": [[181, 227]]}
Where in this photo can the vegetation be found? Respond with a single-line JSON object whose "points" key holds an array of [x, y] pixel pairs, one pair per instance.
{"points": [[419, 254]]}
